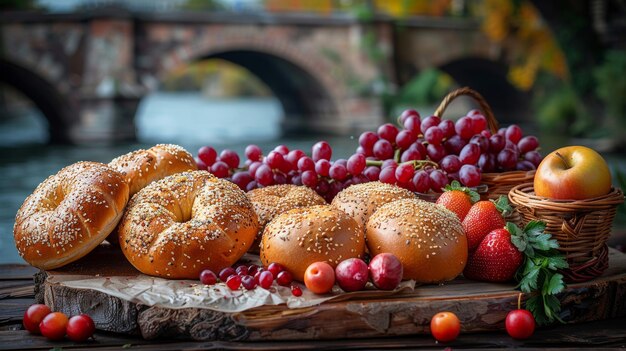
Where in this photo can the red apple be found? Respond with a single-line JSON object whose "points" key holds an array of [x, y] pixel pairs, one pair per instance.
{"points": [[572, 173]]}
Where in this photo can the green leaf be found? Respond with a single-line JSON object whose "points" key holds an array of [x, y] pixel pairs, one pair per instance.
{"points": [[557, 262], [518, 238], [535, 227], [536, 306], [455, 185], [502, 204], [529, 280], [555, 285]]}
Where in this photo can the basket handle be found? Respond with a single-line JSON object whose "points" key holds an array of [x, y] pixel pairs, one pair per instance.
{"points": [[484, 106]]}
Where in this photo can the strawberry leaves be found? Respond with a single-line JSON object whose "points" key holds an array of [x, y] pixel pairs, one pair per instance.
{"points": [[503, 206], [455, 185], [538, 273]]}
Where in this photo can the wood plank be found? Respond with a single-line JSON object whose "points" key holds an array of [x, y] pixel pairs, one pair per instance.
{"points": [[17, 271], [12, 310], [601, 334], [481, 307]]}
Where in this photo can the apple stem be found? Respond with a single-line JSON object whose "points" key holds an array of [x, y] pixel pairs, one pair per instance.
{"points": [[519, 301], [567, 166]]}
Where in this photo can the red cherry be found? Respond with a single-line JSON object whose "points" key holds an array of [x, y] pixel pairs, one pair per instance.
{"points": [[80, 328], [54, 326], [33, 316], [296, 291], [520, 324]]}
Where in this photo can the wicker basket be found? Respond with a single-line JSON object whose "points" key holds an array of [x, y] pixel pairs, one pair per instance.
{"points": [[582, 227], [498, 184]]}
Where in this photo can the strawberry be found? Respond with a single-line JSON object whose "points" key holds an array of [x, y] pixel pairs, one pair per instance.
{"points": [[458, 199], [482, 218], [496, 259]]}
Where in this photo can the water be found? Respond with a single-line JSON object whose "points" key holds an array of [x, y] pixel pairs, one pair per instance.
{"points": [[189, 120]]}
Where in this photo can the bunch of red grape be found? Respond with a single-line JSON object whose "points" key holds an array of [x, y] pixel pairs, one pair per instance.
{"points": [[424, 155]]}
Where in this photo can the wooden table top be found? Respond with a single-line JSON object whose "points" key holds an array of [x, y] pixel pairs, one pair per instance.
{"points": [[17, 293]]}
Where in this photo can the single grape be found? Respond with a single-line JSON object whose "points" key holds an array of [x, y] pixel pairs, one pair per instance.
{"points": [[420, 146], [220, 169], [507, 159], [254, 153], [405, 172], [413, 123], [309, 178], [433, 135], [264, 175], [496, 143], [464, 127], [469, 154], [201, 165], [242, 179], [410, 155], [372, 173], [367, 140], [338, 172], [454, 145], [296, 180], [524, 165], [251, 185], [306, 164], [207, 277], [242, 270], [513, 133], [534, 157], [481, 141], [383, 149], [487, 163], [421, 181], [284, 278], [388, 175], [406, 114], [438, 180], [450, 163], [274, 159], [280, 178], [294, 156], [341, 161], [447, 127], [321, 150], [405, 138], [322, 186], [322, 167], [435, 152], [361, 178], [430, 121], [282, 149], [296, 290], [226, 273], [208, 155], [266, 278], [356, 164], [469, 175], [527, 144], [230, 157], [248, 282], [389, 163], [479, 123], [388, 132]]}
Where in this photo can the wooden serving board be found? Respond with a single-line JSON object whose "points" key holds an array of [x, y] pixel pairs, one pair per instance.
{"points": [[480, 307]]}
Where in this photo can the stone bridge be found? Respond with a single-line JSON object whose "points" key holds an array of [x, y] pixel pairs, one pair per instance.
{"points": [[87, 71]]}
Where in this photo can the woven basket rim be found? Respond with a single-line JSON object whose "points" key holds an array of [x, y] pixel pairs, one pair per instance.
{"points": [[524, 195]]}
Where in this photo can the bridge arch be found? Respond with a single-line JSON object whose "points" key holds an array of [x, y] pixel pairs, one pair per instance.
{"points": [[43, 94], [302, 81]]}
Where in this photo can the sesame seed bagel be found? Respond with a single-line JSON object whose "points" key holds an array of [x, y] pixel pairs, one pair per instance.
{"points": [[273, 200], [427, 238], [306, 235], [69, 214], [187, 222], [361, 200], [142, 167]]}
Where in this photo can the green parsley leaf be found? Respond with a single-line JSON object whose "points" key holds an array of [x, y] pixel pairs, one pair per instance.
{"points": [[502, 204]]}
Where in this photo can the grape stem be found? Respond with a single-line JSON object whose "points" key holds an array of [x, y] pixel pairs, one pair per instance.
{"points": [[396, 155], [417, 164]]}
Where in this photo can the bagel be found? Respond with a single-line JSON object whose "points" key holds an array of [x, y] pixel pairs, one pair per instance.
{"points": [[273, 200], [69, 214], [360, 201], [142, 167], [306, 235], [427, 238], [185, 223]]}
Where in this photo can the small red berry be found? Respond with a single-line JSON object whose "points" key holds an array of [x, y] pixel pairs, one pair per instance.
{"points": [[275, 268], [80, 328], [296, 291], [284, 278], [207, 277], [242, 270], [227, 272], [266, 278], [233, 282], [248, 282], [33, 316]]}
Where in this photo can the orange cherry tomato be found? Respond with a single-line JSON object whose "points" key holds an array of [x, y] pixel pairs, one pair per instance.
{"points": [[319, 277], [445, 326]]}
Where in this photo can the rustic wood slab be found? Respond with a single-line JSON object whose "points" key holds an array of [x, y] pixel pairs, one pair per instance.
{"points": [[480, 306]]}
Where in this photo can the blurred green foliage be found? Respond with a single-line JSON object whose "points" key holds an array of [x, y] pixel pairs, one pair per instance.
{"points": [[611, 89], [426, 88]]}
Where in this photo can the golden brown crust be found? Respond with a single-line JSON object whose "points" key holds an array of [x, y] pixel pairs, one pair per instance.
{"points": [[187, 222], [427, 238], [273, 200], [361, 200], [142, 167], [69, 214], [306, 235]]}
